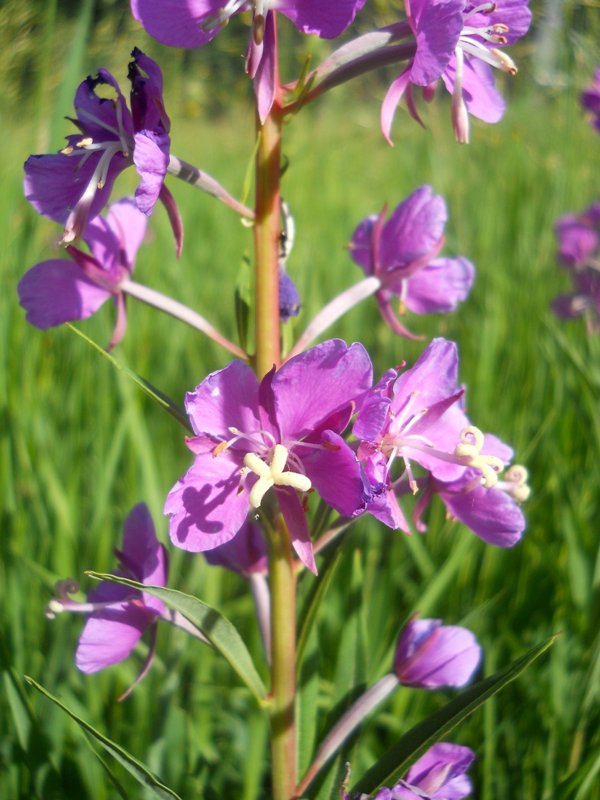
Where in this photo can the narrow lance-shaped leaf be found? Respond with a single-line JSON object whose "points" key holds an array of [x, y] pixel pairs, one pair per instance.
{"points": [[220, 632], [139, 771], [392, 766], [159, 397]]}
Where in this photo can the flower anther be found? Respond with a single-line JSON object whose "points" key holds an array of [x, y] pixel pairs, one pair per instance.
{"points": [[469, 452]]}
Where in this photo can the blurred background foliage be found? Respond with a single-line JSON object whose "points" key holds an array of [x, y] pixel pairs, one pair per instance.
{"points": [[80, 445]]}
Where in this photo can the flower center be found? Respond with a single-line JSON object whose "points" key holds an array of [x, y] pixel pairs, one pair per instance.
{"points": [[493, 34], [273, 474]]}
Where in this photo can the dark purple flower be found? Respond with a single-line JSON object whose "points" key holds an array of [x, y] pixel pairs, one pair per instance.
{"points": [[118, 616], [282, 433], [402, 254], [59, 290], [73, 185], [430, 655], [458, 42], [192, 23], [246, 553], [590, 100], [440, 774], [418, 415]]}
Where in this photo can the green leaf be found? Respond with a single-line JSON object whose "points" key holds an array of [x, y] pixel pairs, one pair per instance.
{"points": [[138, 770], [220, 632], [392, 766], [317, 592], [163, 400]]}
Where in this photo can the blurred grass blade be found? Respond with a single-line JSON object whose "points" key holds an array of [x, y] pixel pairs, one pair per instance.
{"points": [[159, 397], [392, 766], [135, 768], [317, 592], [220, 632]]}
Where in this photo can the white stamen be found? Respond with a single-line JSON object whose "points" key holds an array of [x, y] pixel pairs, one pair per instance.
{"points": [[273, 474]]}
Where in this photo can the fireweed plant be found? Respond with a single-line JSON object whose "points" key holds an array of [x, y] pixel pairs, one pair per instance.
{"points": [[274, 434]]}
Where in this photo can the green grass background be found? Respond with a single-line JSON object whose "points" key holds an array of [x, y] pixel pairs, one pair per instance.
{"points": [[80, 444]]}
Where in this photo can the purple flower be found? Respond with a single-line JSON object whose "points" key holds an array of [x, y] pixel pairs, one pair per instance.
{"points": [[72, 186], [590, 100], [579, 251], [283, 434], [417, 416], [119, 616], [458, 42], [59, 290], [192, 23], [402, 254], [430, 655], [440, 774]]}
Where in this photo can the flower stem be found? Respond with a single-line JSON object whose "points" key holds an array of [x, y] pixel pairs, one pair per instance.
{"points": [[266, 238], [283, 661], [153, 298]]}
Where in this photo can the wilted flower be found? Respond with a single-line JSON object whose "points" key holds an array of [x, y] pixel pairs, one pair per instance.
{"points": [[402, 253], [192, 24], [58, 290], [72, 186], [283, 434], [430, 655], [458, 42], [418, 415], [118, 615], [440, 774]]}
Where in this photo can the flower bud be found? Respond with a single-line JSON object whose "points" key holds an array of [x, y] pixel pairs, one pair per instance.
{"points": [[430, 655]]}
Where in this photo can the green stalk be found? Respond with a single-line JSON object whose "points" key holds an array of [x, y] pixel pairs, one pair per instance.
{"points": [[266, 238], [283, 663]]}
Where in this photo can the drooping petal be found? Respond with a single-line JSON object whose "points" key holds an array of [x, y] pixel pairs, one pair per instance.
{"points": [[490, 513], [311, 387], [480, 95], [437, 25], [326, 20], [226, 398], [414, 229], [207, 507], [392, 99], [440, 286], [115, 239], [151, 159], [110, 635], [295, 519], [57, 291], [335, 473], [179, 23]]}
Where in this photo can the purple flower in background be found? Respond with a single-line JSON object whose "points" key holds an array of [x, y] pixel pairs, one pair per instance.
{"points": [[578, 238], [283, 434], [72, 186], [192, 23], [58, 290], [418, 415], [458, 42], [440, 774], [118, 615], [402, 254], [590, 100], [430, 655]]}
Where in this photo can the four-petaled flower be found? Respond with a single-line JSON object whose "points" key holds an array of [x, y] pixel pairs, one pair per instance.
{"points": [[191, 23], [58, 290], [402, 254], [118, 615], [418, 415], [458, 42], [72, 186], [282, 434]]}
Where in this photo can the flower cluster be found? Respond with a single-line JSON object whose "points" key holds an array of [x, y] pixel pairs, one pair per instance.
{"points": [[578, 238]]}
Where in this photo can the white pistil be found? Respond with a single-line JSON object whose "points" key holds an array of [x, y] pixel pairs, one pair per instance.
{"points": [[273, 474], [469, 452], [515, 483]]}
